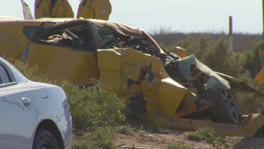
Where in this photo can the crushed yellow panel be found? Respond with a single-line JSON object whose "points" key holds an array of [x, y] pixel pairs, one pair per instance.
{"points": [[129, 72], [188, 107], [171, 95], [260, 76], [252, 123], [139, 59]]}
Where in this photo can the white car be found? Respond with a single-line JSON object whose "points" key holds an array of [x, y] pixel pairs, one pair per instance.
{"points": [[33, 115]]}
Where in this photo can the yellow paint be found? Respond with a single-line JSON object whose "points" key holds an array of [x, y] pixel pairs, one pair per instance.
{"points": [[63, 63], [161, 94], [248, 126], [260, 76]]}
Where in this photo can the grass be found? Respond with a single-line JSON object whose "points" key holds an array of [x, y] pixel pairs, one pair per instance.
{"points": [[176, 146], [126, 130], [101, 137], [210, 136]]}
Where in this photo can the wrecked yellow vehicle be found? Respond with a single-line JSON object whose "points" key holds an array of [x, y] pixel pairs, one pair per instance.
{"points": [[163, 87]]}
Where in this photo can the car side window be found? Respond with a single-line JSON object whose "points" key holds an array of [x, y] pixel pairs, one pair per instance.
{"points": [[4, 75]]}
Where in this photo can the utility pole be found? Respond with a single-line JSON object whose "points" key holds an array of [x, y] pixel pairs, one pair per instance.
{"points": [[262, 21], [230, 34], [262, 46], [261, 50]]}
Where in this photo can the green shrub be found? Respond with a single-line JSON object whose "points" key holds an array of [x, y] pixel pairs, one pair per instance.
{"points": [[249, 102], [126, 130], [251, 61], [93, 107], [176, 146], [31, 72], [80, 145], [209, 135], [214, 53], [100, 138]]}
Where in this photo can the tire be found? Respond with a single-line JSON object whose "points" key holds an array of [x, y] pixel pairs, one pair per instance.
{"points": [[44, 139], [226, 109]]}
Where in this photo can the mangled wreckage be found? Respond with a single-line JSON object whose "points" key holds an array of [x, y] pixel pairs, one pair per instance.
{"points": [[163, 87]]}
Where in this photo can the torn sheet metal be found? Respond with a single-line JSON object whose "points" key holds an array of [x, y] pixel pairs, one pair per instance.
{"points": [[185, 70], [143, 82]]}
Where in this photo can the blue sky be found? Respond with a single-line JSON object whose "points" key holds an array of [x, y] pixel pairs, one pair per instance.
{"points": [[173, 15]]}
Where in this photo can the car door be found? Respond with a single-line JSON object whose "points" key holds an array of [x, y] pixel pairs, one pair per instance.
{"points": [[17, 113]]}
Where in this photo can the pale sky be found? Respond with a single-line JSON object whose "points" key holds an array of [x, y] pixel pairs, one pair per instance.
{"points": [[174, 15]]}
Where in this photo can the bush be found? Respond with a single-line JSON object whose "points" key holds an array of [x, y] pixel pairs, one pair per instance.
{"points": [[126, 130], [210, 136], [30, 72], [93, 107], [251, 62], [100, 138], [214, 53]]}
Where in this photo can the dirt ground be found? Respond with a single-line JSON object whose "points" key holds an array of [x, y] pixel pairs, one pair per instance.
{"points": [[147, 140]]}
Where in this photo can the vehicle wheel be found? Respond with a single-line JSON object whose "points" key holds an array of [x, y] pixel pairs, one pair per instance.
{"points": [[226, 108], [44, 139]]}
